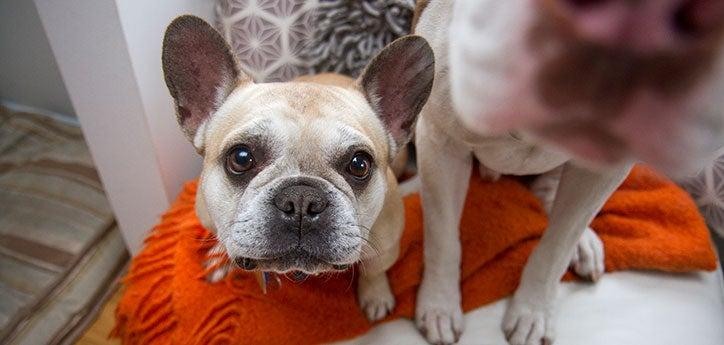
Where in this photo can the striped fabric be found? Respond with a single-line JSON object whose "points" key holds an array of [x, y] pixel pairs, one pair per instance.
{"points": [[53, 215]]}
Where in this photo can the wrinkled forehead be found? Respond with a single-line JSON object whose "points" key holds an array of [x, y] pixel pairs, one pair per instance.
{"points": [[301, 115]]}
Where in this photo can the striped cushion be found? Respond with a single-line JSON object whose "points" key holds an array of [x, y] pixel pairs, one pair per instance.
{"points": [[53, 213]]}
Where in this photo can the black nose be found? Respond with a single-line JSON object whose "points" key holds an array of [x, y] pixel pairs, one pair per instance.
{"points": [[301, 201]]}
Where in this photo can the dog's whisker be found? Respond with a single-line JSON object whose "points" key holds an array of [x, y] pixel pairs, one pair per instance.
{"points": [[366, 241], [351, 277]]}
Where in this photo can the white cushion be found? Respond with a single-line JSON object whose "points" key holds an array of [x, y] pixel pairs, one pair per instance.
{"points": [[638, 308]]}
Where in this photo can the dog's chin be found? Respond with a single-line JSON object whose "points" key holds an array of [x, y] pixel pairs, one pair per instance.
{"points": [[295, 260]]}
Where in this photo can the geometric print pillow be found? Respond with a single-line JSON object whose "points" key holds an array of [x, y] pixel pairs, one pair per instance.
{"points": [[707, 189], [267, 35]]}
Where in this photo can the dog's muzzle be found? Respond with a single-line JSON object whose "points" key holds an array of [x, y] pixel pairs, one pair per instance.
{"points": [[303, 221]]}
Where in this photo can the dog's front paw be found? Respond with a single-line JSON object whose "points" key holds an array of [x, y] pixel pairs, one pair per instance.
{"points": [[438, 313], [588, 258], [375, 297], [528, 324]]}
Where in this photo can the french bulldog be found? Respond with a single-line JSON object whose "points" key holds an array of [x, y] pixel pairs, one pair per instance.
{"points": [[296, 176], [575, 91]]}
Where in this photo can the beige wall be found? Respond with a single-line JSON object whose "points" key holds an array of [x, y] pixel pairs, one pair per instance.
{"points": [[28, 72]]}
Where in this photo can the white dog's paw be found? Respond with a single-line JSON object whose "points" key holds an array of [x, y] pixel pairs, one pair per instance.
{"points": [[375, 297], [528, 324], [438, 314], [588, 257]]}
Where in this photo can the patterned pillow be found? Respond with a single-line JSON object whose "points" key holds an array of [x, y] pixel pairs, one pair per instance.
{"points": [[348, 34], [707, 189], [267, 35], [278, 40]]}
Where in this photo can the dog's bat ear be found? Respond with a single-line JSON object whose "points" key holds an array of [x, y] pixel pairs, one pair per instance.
{"points": [[200, 72], [397, 84]]}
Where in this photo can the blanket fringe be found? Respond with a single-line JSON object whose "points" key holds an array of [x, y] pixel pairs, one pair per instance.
{"points": [[157, 260], [647, 224]]}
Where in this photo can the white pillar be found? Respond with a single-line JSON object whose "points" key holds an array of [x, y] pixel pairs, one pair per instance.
{"points": [[109, 54]]}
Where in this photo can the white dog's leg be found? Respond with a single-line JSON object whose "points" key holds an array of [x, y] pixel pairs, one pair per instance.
{"points": [[588, 258], [488, 174], [545, 186], [581, 194], [444, 169]]}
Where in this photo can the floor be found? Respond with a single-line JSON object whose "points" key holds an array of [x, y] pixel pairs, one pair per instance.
{"points": [[98, 333]]}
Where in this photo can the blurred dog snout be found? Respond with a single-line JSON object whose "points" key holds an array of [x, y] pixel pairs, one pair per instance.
{"points": [[645, 26]]}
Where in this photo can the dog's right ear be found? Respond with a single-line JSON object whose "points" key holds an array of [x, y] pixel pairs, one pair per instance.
{"points": [[200, 72], [397, 83]]}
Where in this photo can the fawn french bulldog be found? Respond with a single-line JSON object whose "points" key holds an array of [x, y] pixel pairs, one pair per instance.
{"points": [[573, 90], [296, 176]]}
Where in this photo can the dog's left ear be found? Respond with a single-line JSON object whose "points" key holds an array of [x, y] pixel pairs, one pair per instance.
{"points": [[397, 84], [200, 71]]}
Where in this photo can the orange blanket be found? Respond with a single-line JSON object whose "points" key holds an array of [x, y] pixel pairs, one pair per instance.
{"points": [[649, 223]]}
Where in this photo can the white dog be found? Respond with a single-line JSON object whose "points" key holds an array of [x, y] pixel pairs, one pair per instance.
{"points": [[571, 89]]}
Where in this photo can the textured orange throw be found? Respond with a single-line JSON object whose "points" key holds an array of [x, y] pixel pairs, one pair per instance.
{"points": [[649, 223]]}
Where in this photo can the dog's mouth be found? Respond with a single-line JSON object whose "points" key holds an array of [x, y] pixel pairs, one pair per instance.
{"points": [[296, 261]]}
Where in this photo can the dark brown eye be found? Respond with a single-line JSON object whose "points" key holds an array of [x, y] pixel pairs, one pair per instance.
{"points": [[239, 160], [360, 165]]}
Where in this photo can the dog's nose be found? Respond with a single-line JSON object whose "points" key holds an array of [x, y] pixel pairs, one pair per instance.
{"points": [[301, 201], [645, 26]]}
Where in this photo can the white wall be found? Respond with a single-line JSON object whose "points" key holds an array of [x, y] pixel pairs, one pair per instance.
{"points": [[28, 72], [109, 54]]}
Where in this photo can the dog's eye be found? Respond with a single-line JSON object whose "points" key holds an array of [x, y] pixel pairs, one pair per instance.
{"points": [[239, 160], [360, 165]]}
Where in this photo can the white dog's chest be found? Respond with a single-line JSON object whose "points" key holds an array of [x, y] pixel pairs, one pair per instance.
{"points": [[503, 153]]}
